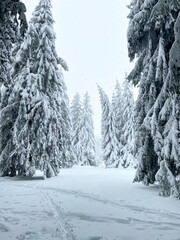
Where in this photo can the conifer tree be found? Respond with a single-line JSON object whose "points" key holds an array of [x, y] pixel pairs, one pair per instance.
{"points": [[108, 132], [68, 158], [38, 128], [168, 123], [127, 132], [117, 107], [123, 108], [150, 38], [86, 134], [10, 27], [76, 115]]}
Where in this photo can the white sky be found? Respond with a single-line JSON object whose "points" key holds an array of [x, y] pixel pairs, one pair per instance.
{"points": [[91, 37]]}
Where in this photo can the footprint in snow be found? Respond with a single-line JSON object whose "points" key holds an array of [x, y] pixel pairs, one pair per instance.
{"points": [[28, 236], [3, 228]]}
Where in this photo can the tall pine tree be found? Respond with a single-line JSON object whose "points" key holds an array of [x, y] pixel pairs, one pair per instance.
{"points": [[39, 129], [10, 28], [150, 38], [169, 118]]}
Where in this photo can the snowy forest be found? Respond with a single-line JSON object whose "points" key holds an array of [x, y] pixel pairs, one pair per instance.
{"points": [[43, 130]]}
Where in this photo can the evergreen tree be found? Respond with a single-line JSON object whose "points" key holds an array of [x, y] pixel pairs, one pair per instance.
{"points": [[108, 132], [127, 131], [169, 118], [123, 108], [86, 134], [10, 28], [68, 158], [150, 38], [76, 115], [117, 107], [38, 126]]}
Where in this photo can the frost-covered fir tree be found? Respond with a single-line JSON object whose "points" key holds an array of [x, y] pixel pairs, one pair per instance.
{"points": [[150, 37], [10, 29], [39, 129], [76, 115], [68, 158], [127, 131], [117, 104], [167, 122], [123, 108], [86, 134], [108, 132]]}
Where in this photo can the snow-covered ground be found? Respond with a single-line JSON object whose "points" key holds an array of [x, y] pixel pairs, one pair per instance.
{"points": [[86, 203]]}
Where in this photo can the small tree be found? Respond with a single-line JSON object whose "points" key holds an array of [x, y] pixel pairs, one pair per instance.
{"points": [[76, 115], [127, 131], [108, 132], [117, 108], [68, 158], [86, 135]]}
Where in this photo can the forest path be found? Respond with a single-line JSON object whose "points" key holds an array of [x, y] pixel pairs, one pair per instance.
{"points": [[86, 203]]}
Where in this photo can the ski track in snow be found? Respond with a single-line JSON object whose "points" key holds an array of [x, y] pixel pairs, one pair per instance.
{"points": [[62, 224], [163, 225], [48, 191], [63, 229], [64, 220], [122, 204]]}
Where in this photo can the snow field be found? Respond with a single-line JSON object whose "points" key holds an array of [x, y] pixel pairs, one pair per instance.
{"points": [[86, 203]]}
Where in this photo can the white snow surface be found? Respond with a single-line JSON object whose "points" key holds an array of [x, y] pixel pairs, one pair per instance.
{"points": [[86, 203]]}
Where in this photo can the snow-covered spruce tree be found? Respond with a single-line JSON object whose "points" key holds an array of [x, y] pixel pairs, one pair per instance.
{"points": [[7, 39], [167, 122], [108, 132], [10, 30], [150, 37], [86, 134], [68, 158], [9, 158], [117, 104], [127, 131], [76, 115], [9, 26], [39, 128]]}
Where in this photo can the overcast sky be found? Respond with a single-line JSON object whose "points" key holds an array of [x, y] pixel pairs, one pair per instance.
{"points": [[91, 37]]}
